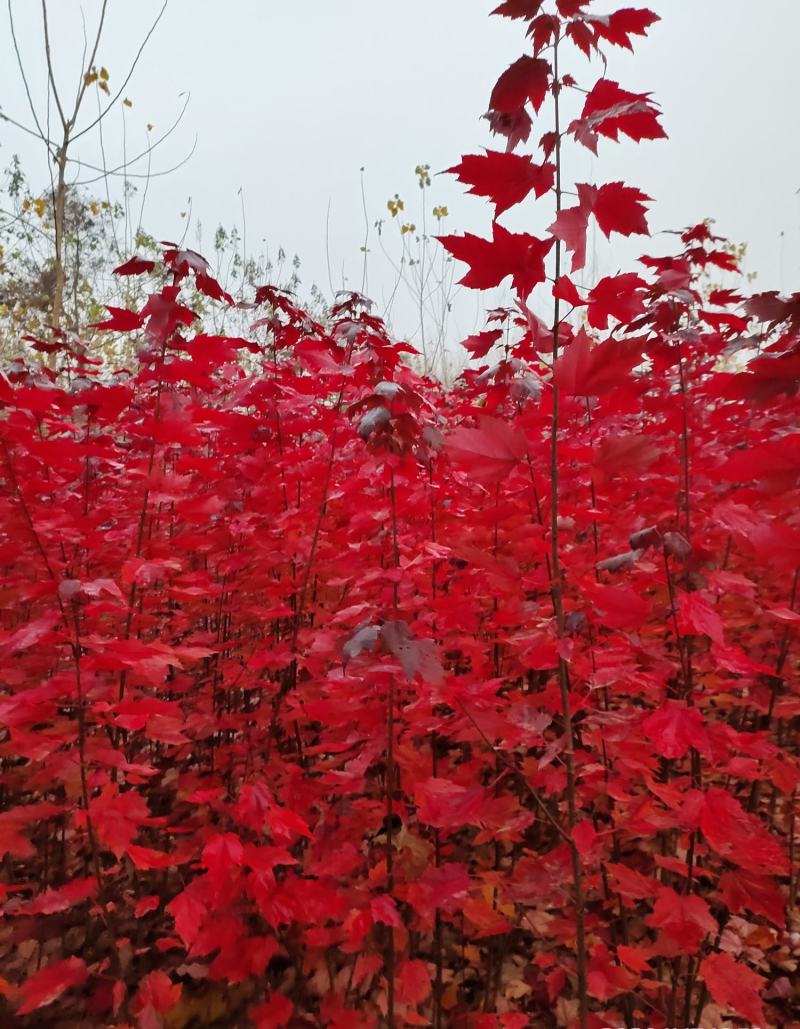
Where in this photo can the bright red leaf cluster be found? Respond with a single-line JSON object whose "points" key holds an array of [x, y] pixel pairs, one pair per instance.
{"points": [[334, 697]]}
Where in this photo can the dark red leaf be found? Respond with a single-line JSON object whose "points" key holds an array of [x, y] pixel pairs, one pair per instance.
{"points": [[135, 266], [519, 8], [527, 79]]}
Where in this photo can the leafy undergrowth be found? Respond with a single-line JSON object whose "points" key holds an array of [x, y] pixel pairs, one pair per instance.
{"points": [[333, 697]]}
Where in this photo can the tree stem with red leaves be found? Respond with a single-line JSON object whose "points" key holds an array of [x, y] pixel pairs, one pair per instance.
{"points": [[390, 775], [563, 672]]}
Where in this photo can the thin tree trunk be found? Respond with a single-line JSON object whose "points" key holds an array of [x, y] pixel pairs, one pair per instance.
{"points": [[59, 207]]}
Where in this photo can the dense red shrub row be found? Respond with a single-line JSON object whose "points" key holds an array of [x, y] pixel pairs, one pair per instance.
{"points": [[333, 697]]}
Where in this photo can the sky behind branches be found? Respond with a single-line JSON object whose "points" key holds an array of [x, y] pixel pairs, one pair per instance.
{"points": [[289, 101]]}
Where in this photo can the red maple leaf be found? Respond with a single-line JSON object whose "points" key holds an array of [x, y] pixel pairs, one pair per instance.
{"points": [[155, 996], [674, 728], [135, 266], [570, 8], [584, 370], [734, 985], [121, 320], [508, 253], [735, 834], [618, 27], [50, 982], [617, 296], [565, 289], [146, 858], [696, 615], [528, 78], [445, 804], [189, 913], [519, 8], [516, 126], [51, 901], [685, 921], [630, 883], [505, 178], [610, 110], [481, 343], [636, 958], [488, 452], [542, 31], [570, 227], [606, 977], [413, 982], [30, 634], [742, 891], [117, 817], [625, 453], [164, 314], [619, 208], [223, 852], [444, 888], [619, 607]]}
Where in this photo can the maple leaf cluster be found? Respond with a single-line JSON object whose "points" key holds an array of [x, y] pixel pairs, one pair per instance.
{"points": [[332, 696]]}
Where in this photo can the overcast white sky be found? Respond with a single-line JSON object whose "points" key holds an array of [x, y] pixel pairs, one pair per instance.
{"points": [[290, 99]]}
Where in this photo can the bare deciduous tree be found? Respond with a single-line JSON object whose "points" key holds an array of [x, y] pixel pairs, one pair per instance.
{"points": [[74, 124]]}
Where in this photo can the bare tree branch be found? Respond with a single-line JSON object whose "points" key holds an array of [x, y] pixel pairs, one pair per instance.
{"points": [[42, 134], [128, 77], [36, 133], [88, 66], [120, 171], [50, 76], [128, 163]]}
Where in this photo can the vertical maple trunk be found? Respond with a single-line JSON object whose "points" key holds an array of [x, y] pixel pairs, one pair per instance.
{"points": [[793, 864], [563, 672], [390, 776], [59, 208], [438, 930]]}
